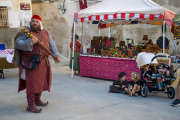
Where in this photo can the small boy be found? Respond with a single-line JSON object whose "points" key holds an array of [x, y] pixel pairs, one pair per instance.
{"points": [[120, 85]]}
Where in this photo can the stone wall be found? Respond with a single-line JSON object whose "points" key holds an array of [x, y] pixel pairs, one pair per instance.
{"points": [[7, 36], [17, 17], [173, 5]]}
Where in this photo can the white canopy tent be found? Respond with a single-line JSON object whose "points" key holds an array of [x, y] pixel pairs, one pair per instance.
{"points": [[121, 11], [111, 7]]}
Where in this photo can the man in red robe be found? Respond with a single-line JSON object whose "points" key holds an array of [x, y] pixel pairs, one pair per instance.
{"points": [[39, 79]]}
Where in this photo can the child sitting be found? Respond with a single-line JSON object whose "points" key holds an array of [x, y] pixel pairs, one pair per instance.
{"points": [[120, 85], [136, 84], [163, 70]]}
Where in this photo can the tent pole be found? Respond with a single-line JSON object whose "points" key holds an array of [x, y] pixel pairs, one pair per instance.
{"points": [[73, 50], [99, 28], [99, 31], [82, 33], [109, 32], [81, 38], [163, 35]]}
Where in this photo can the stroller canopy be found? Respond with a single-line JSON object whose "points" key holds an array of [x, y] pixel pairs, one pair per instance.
{"points": [[144, 58]]}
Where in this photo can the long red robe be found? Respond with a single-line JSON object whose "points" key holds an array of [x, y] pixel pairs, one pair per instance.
{"points": [[40, 79]]}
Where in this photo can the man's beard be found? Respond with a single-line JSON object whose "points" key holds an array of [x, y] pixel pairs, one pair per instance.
{"points": [[35, 29]]}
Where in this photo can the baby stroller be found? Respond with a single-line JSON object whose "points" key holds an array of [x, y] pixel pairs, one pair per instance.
{"points": [[150, 65]]}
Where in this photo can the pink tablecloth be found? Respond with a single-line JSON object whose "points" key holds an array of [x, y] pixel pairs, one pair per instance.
{"points": [[106, 68]]}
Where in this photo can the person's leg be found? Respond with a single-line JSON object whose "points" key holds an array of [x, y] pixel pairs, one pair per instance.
{"points": [[128, 92], [75, 72], [178, 90], [134, 89], [70, 62], [38, 101], [177, 101], [160, 88], [78, 65], [76, 62], [31, 103]]}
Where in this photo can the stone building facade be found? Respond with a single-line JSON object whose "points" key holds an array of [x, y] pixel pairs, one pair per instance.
{"points": [[12, 18]]}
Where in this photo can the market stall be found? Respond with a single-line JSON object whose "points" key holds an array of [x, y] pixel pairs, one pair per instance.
{"points": [[121, 12], [6, 57]]}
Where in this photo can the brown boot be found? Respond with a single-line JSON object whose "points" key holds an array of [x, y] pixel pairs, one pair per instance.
{"points": [[31, 104], [38, 101]]}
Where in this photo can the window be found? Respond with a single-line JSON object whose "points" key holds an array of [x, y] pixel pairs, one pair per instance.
{"points": [[3, 16]]}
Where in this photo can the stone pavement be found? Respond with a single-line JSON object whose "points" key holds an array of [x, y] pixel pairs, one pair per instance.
{"points": [[82, 98]]}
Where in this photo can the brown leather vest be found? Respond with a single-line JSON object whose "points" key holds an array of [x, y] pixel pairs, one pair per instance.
{"points": [[43, 37]]}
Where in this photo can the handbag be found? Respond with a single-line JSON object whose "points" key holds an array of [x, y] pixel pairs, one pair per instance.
{"points": [[26, 63], [30, 63]]}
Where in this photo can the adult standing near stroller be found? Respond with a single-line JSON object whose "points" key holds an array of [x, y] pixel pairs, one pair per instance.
{"points": [[39, 78], [177, 101]]}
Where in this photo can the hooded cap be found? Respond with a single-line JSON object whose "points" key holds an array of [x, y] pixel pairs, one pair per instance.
{"points": [[36, 17]]}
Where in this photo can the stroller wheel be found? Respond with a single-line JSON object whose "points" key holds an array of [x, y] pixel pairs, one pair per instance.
{"points": [[171, 92], [144, 90]]}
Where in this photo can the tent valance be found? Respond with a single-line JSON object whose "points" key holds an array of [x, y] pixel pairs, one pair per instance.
{"points": [[122, 16]]}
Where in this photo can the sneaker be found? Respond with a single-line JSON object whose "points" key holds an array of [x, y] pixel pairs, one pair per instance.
{"points": [[136, 94], [123, 92], [129, 93], [176, 102], [156, 75]]}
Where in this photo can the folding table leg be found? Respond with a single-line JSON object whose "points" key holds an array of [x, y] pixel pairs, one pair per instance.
{"points": [[1, 74]]}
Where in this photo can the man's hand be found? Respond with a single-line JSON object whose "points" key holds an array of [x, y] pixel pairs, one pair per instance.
{"points": [[123, 86], [58, 60], [116, 85], [34, 39]]}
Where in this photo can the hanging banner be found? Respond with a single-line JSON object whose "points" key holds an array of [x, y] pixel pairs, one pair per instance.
{"points": [[177, 19], [83, 4]]}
